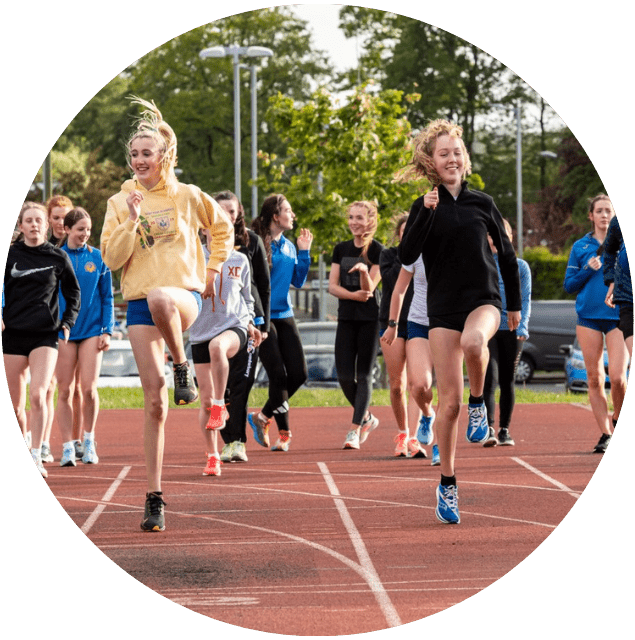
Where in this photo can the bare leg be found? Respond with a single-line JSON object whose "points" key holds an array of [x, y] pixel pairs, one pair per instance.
{"points": [[618, 362], [42, 365], [89, 365], [65, 374], [148, 348], [16, 368], [480, 327], [395, 359]]}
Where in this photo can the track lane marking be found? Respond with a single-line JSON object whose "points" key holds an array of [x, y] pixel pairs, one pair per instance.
{"points": [[369, 573], [92, 518], [544, 476]]}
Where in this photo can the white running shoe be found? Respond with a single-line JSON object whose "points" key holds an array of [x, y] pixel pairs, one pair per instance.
{"points": [[367, 426], [68, 458], [352, 440]]}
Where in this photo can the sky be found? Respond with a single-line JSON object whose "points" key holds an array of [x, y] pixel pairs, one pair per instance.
{"points": [[323, 23]]}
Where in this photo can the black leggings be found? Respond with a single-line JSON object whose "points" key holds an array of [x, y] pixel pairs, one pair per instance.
{"points": [[356, 347], [282, 356], [242, 371], [504, 353]]}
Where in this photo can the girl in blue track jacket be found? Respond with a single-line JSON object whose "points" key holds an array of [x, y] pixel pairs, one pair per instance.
{"points": [[281, 353], [88, 340], [597, 322]]}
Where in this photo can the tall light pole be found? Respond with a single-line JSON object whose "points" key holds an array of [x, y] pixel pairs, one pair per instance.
{"points": [[519, 180], [234, 51]]}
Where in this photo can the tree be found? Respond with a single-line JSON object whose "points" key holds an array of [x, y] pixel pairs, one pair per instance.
{"points": [[336, 155]]}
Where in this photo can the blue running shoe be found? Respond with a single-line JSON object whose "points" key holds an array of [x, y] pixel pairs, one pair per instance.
{"points": [[425, 435], [477, 427], [260, 428], [448, 504], [436, 458]]}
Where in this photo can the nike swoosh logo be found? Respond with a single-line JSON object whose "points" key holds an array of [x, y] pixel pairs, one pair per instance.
{"points": [[18, 273]]}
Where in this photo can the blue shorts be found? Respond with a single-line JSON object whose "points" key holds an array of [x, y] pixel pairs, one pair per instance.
{"points": [[603, 326], [139, 312], [416, 330], [400, 334]]}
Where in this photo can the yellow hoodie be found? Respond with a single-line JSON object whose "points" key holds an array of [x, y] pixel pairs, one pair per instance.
{"points": [[162, 249]]}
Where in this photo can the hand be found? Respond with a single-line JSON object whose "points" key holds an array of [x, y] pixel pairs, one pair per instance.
{"points": [[210, 285], [389, 335], [263, 336], [361, 295], [595, 263], [305, 239], [254, 335], [513, 320], [431, 199], [134, 204], [609, 296], [362, 267], [67, 333], [104, 342]]}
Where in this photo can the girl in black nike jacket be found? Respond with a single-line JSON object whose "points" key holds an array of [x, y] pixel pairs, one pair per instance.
{"points": [[448, 228], [34, 272]]}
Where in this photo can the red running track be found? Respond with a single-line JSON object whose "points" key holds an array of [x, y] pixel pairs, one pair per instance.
{"points": [[347, 538]]}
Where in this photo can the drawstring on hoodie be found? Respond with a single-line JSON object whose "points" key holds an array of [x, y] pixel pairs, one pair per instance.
{"points": [[220, 290]]}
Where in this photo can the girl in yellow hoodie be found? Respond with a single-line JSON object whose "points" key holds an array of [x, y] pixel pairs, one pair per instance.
{"points": [[151, 233]]}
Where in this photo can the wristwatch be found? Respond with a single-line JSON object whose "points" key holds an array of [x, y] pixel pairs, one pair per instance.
{"points": [[392, 323]]}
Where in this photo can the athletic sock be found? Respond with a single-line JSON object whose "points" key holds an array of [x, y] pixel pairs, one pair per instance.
{"points": [[89, 436], [474, 400], [447, 481]]}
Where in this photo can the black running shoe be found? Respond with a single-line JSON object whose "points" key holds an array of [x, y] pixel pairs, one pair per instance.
{"points": [[491, 438], [602, 444], [504, 439], [153, 514], [184, 387]]}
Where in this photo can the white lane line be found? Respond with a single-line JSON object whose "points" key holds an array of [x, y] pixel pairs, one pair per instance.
{"points": [[92, 518], [544, 476], [370, 575]]}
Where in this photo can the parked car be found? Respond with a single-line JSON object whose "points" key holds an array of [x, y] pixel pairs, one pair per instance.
{"points": [[551, 324], [119, 368], [574, 369], [318, 341]]}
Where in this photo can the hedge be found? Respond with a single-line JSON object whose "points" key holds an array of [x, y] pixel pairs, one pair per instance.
{"points": [[547, 274]]}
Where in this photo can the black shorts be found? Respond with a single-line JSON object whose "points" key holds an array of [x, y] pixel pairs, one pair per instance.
{"points": [[200, 350], [20, 343], [453, 321], [626, 320]]}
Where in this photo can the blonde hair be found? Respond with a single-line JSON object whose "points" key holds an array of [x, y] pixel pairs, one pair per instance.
{"points": [[371, 212], [422, 163], [150, 124]]}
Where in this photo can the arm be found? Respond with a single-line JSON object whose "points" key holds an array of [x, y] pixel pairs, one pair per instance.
{"points": [[107, 308], [303, 259], [612, 246], [525, 286], [72, 295], [118, 237], [577, 274], [396, 302], [335, 289], [262, 278], [415, 232]]}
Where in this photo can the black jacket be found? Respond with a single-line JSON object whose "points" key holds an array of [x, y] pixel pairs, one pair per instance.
{"points": [[32, 280], [260, 277], [460, 266]]}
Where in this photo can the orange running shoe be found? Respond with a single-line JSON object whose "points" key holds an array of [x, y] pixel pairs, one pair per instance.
{"points": [[217, 417], [401, 450], [213, 466]]}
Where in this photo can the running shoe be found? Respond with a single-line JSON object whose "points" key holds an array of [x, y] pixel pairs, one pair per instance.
{"points": [[370, 424], [37, 458], [425, 434], [260, 428], [283, 441], [47, 455], [491, 440], [602, 444], [217, 417], [504, 439], [184, 387], [79, 449], [415, 449], [90, 452], [227, 452], [154, 513], [447, 510], [239, 452], [213, 466], [401, 450], [69, 458], [477, 428], [436, 458], [352, 440]]}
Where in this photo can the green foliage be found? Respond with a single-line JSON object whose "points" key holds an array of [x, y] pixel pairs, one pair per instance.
{"points": [[339, 154], [547, 274]]}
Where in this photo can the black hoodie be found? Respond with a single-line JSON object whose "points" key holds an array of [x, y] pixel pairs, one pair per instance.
{"points": [[32, 280]]}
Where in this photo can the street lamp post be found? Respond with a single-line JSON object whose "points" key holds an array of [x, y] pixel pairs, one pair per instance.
{"points": [[519, 181], [235, 52]]}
